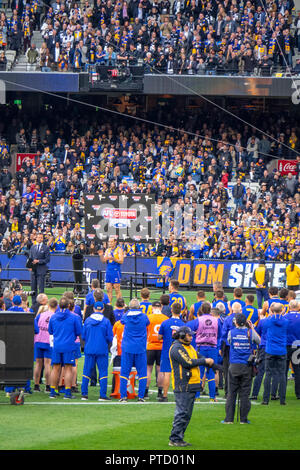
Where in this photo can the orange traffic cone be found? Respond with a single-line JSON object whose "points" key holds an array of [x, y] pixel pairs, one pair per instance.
{"points": [[130, 385], [116, 391]]}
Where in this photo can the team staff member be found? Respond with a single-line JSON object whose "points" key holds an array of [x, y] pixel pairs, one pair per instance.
{"points": [[154, 346], [241, 339], [166, 330], [114, 258], [293, 343], [134, 345], [97, 333], [90, 300], [261, 279], [275, 359], [42, 348], [208, 330], [186, 380], [292, 276], [108, 312], [64, 326], [261, 353]]}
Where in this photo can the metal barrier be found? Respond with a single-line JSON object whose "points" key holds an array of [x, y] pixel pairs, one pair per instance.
{"points": [[135, 281]]}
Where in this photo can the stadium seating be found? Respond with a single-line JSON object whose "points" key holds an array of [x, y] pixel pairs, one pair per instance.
{"points": [[175, 39]]}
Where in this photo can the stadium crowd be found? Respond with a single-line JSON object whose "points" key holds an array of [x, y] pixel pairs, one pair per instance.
{"points": [[184, 37], [88, 153]]}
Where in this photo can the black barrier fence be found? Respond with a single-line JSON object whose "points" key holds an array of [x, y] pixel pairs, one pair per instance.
{"points": [[16, 348], [139, 281], [80, 285], [149, 271]]}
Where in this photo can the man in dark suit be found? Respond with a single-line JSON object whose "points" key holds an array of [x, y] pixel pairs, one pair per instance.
{"points": [[40, 256]]}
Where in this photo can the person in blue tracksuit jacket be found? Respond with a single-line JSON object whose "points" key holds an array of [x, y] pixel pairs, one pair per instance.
{"points": [[276, 349], [293, 343], [134, 349], [165, 333], [97, 334], [64, 326], [241, 339]]}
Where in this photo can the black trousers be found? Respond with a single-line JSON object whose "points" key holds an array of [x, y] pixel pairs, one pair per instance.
{"points": [[183, 413], [239, 383], [225, 369], [261, 372], [37, 284], [275, 367], [260, 375], [293, 356]]}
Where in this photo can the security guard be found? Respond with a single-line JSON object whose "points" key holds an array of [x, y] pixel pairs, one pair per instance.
{"points": [[185, 364], [261, 279], [292, 276]]}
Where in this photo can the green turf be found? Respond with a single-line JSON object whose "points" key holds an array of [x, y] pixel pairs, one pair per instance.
{"points": [[42, 423], [155, 294]]}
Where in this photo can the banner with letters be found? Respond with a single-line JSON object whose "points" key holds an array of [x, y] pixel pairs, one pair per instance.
{"points": [[196, 273]]}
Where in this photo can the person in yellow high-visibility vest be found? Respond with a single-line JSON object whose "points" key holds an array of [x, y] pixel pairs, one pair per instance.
{"points": [[261, 278], [292, 276]]}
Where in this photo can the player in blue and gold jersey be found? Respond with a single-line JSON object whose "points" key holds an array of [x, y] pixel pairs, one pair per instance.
{"points": [[145, 304], [114, 258], [175, 297]]}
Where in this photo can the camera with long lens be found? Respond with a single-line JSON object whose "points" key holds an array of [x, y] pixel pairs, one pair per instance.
{"points": [[15, 285], [30, 292]]}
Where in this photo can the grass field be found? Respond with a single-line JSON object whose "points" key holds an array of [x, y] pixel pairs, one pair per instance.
{"points": [[44, 424]]}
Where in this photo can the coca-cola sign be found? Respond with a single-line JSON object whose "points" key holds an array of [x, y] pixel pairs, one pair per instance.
{"points": [[287, 166]]}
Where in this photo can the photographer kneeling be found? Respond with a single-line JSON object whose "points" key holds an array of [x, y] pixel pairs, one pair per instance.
{"points": [[241, 339], [186, 381]]}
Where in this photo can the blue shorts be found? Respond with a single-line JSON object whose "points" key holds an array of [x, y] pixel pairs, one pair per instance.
{"points": [[165, 364], [113, 277], [42, 353], [209, 351], [77, 350], [63, 358]]}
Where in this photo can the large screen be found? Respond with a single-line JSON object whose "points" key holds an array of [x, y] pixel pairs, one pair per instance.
{"points": [[130, 217]]}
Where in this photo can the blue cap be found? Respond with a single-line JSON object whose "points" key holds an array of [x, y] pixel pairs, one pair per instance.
{"points": [[99, 306], [17, 300]]}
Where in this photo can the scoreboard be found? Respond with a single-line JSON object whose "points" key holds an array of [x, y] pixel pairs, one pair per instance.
{"points": [[130, 217]]}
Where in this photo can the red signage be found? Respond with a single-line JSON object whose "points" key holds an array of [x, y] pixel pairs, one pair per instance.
{"points": [[109, 213], [21, 157], [287, 166]]}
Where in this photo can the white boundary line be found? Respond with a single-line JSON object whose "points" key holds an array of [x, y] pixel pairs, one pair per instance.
{"points": [[86, 403]]}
